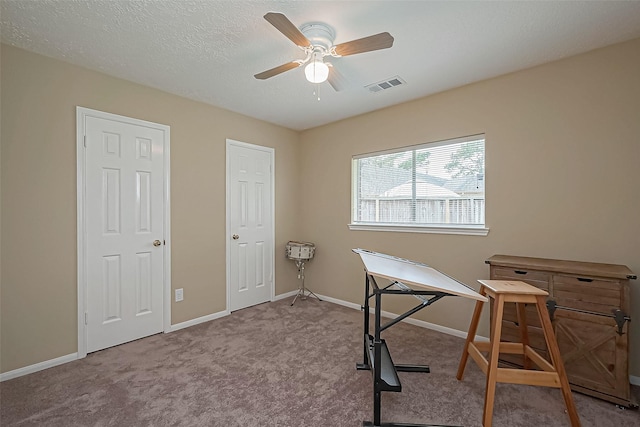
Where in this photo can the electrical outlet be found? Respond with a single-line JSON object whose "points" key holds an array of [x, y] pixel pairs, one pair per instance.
{"points": [[179, 295]]}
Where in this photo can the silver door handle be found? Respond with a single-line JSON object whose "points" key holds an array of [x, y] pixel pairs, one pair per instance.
{"points": [[235, 237], [157, 243]]}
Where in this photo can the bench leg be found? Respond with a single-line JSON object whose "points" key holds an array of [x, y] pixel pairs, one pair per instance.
{"points": [[556, 360], [473, 328], [524, 333], [494, 354]]}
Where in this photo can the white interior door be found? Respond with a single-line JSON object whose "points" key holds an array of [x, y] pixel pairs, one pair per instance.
{"points": [[124, 223], [249, 224]]}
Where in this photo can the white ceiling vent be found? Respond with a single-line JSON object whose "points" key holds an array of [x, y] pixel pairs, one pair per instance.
{"points": [[386, 84]]}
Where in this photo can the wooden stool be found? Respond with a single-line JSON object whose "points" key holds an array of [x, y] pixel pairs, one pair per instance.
{"points": [[551, 374]]}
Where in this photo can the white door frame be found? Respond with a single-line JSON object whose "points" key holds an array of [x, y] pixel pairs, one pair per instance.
{"points": [[271, 152], [81, 115]]}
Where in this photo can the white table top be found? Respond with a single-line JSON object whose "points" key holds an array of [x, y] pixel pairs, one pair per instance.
{"points": [[414, 274]]}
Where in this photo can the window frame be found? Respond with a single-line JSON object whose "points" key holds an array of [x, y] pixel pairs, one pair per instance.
{"points": [[432, 228]]}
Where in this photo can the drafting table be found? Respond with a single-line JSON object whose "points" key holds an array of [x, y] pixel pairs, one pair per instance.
{"points": [[407, 278]]}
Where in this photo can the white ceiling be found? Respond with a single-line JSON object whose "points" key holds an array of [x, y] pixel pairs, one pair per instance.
{"points": [[209, 50]]}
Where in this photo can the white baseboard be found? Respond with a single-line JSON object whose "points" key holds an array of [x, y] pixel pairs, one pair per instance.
{"points": [[435, 327], [421, 323], [38, 367], [285, 295], [220, 314], [340, 302], [634, 380], [74, 356], [198, 320]]}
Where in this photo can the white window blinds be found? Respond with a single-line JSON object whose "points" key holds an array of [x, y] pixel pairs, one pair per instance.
{"points": [[432, 184]]}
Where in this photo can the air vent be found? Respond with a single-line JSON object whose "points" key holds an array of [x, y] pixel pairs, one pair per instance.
{"points": [[386, 84]]}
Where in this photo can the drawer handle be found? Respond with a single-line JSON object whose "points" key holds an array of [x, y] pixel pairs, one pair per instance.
{"points": [[520, 272], [582, 279]]}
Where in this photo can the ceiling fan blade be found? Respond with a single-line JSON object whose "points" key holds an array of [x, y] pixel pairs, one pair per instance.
{"points": [[336, 79], [365, 44], [277, 70], [287, 28]]}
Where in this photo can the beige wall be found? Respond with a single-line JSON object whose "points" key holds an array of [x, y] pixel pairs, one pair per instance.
{"points": [[562, 180], [38, 294], [562, 152]]}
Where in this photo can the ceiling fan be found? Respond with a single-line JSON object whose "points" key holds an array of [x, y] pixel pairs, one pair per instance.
{"points": [[316, 40]]}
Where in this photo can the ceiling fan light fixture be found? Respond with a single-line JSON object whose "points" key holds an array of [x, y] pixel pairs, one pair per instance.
{"points": [[316, 71], [316, 41]]}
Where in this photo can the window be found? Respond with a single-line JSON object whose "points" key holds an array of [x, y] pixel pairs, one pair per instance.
{"points": [[436, 187]]}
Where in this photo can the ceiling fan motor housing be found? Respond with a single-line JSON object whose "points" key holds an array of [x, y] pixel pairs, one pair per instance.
{"points": [[319, 34]]}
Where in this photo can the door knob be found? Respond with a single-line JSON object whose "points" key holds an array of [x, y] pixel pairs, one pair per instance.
{"points": [[236, 237], [157, 243]]}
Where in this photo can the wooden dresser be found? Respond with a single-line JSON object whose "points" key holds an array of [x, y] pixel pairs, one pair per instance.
{"points": [[589, 306]]}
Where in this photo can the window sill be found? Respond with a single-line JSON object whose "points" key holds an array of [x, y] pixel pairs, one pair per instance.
{"points": [[468, 230]]}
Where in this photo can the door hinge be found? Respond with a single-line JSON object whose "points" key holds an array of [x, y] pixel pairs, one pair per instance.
{"points": [[86, 318], [84, 141]]}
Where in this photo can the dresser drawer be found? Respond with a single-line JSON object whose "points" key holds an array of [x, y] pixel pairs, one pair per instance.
{"points": [[538, 279], [589, 294]]}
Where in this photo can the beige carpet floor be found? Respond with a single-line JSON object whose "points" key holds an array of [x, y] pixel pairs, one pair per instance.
{"points": [[279, 366]]}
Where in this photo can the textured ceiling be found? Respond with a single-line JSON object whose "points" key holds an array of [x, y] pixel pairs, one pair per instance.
{"points": [[209, 50]]}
